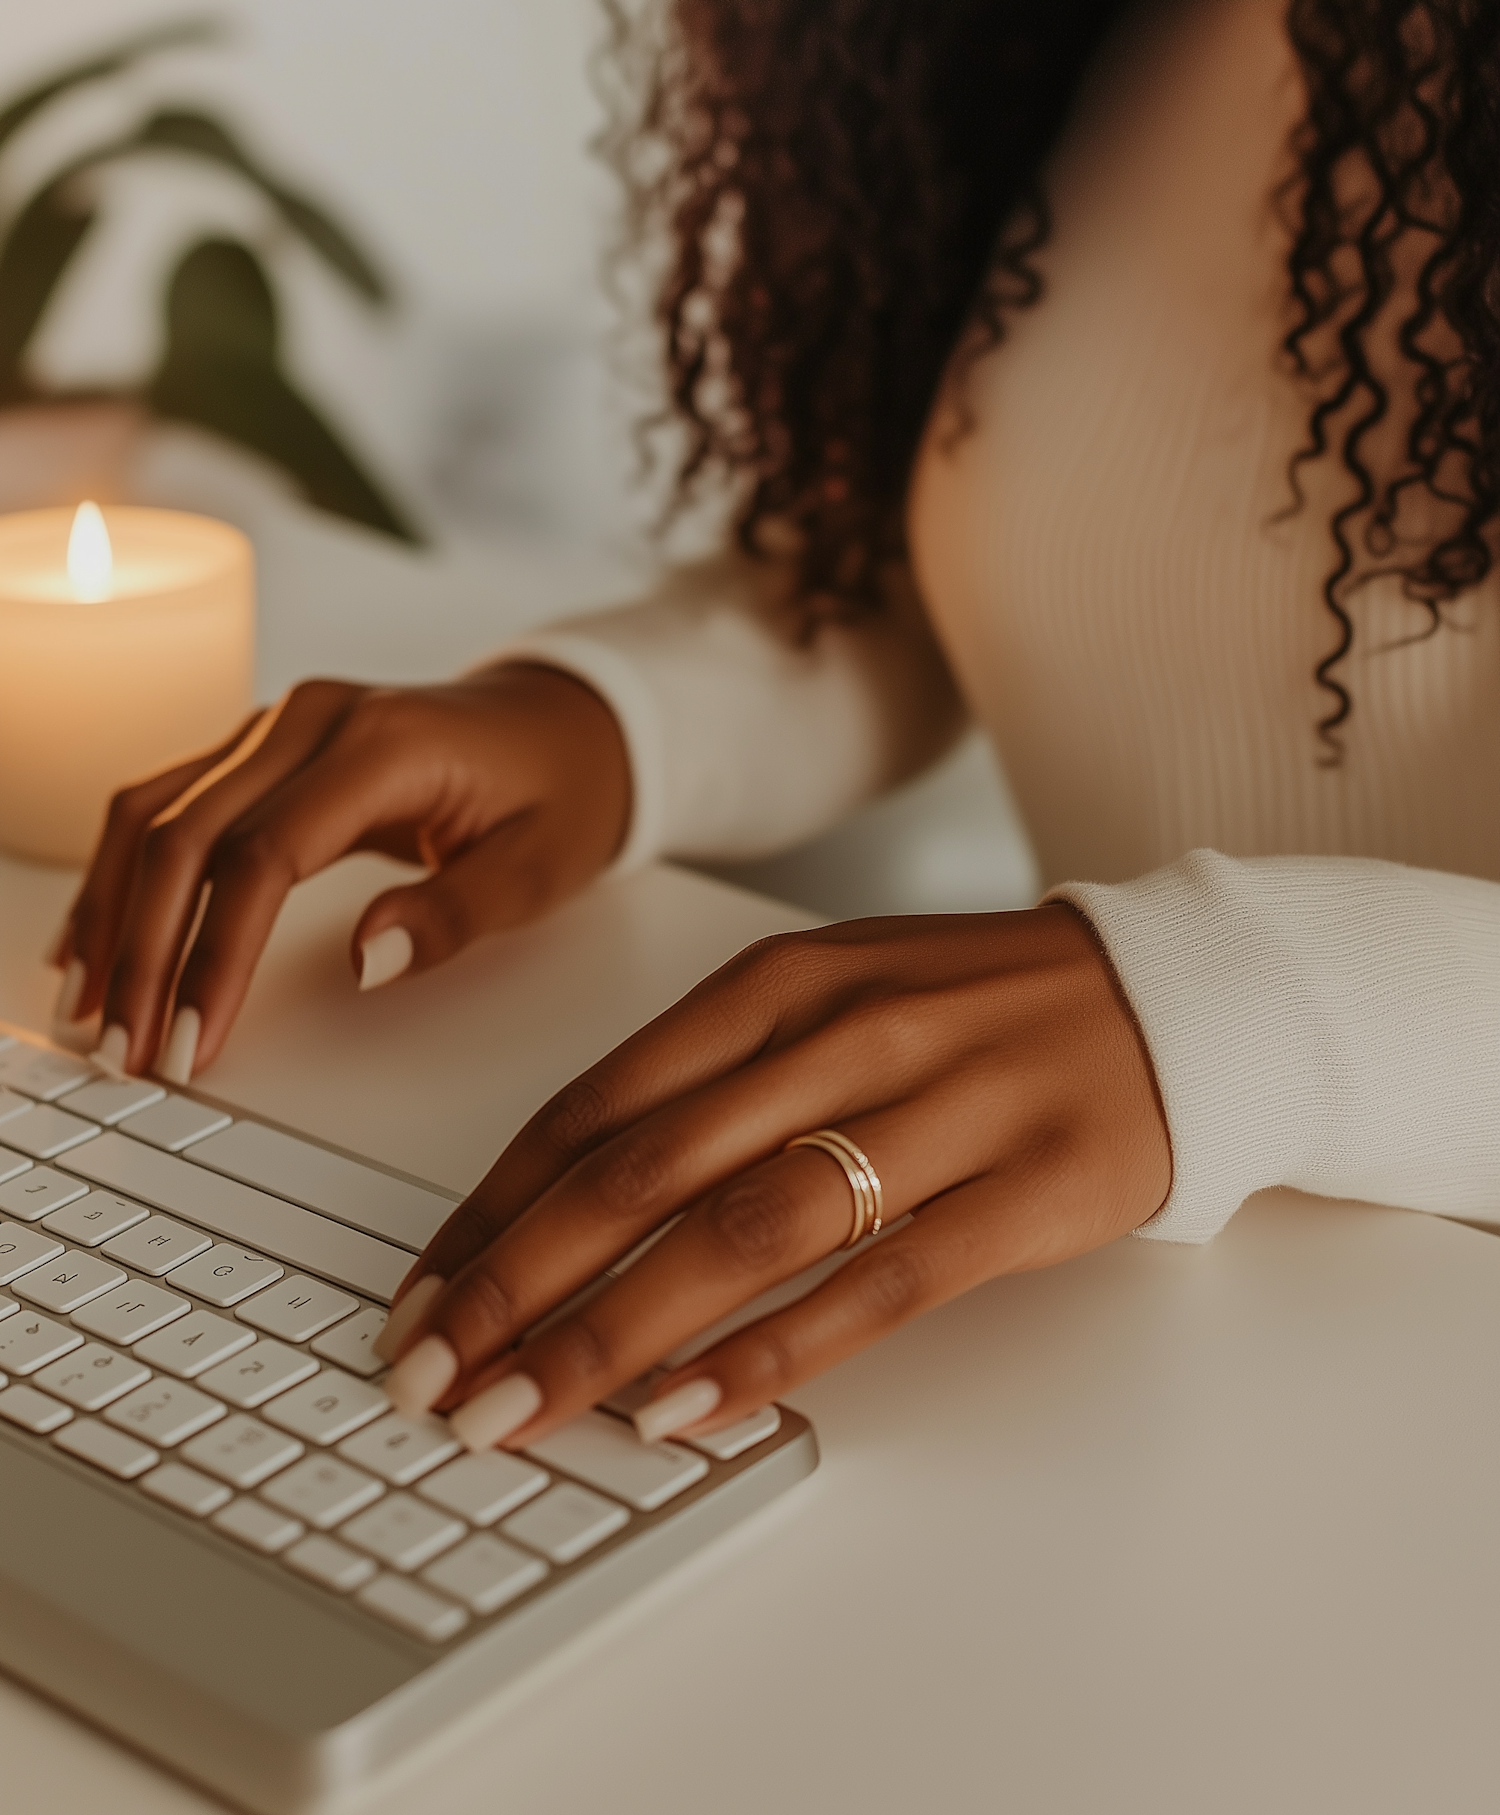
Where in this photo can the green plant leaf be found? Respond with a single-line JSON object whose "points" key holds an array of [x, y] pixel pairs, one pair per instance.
{"points": [[220, 371], [36, 252], [106, 63], [200, 136]]}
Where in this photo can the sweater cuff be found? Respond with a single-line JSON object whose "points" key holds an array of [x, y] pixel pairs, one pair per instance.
{"points": [[614, 678]]}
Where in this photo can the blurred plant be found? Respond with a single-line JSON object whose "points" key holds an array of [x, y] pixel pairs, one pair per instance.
{"points": [[221, 366]]}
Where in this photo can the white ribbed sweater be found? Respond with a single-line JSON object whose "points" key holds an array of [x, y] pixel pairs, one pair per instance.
{"points": [[1101, 583]]}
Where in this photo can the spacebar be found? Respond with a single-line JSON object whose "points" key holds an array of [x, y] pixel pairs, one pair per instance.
{"points": [[259, 1221]]}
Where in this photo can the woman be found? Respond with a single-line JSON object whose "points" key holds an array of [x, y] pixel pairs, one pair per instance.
{"points": [[1203, 540]]}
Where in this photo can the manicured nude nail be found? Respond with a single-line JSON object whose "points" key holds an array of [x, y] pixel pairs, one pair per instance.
{"points": [[685, 1405], [111, 1052], [175, 1065], [70, 994], [420, 1378], [384, 957], [405, 1316], [491, 1416]]}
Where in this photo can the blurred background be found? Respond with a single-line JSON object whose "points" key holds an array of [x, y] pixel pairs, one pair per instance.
{"points": [[447, 145]]}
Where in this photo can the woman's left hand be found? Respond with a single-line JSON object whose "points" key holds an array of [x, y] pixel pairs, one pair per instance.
{"points": [[988, 1065]]}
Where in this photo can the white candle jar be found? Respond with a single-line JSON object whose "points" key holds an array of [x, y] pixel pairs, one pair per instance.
{"points": [[97, 691]]}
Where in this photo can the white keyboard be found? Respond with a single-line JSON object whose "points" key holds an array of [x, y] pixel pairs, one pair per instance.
{"points": [[188, 1304]]}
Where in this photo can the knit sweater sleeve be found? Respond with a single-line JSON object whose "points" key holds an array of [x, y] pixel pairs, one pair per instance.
{"points": [[743, 737], [1331, 1024]]}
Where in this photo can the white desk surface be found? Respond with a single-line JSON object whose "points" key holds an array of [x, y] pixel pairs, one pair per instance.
{"points": [[1168, 1530]]}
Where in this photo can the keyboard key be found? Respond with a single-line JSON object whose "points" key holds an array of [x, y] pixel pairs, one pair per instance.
{"points": [[67, 1282], [403, 1532], [95, 1218], [296, 1309], [110, 1100], [45, 1132], [31, 1196], [156, 1246], [347, 1344], [328, 1407], [426, 1616], [223, 1276], [21, 1249], [174, 1123], [607, 1453], [225, 1207], [260, 1527], [192, 1344], [735, 1439], [42, 1074], [165, 1412], [12, 1105], [29, 1342], [485, 1573], [323, 1491], [485, 1487], [400, 1450], [565, 1522], [32, 1410], [111, 1450], [13, 1164], [186, 1489], [93, 1377], [258, 1373], [130, 1312], [360, 1195], [242, 1451], [8, 1306], [330, 1564]]}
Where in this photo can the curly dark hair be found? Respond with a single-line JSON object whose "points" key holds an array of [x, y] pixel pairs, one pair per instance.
{"points": [[851, 188]]}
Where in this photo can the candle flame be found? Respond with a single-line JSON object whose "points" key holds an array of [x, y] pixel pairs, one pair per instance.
{"points": [[91, 560]]}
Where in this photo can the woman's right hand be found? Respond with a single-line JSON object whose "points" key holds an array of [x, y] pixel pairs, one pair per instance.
{"points": [[512, 787]]}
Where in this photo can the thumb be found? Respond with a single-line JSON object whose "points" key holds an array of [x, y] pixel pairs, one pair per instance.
{"points": [[512, 875]]}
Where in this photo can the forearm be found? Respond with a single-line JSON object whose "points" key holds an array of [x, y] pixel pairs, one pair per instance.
{"points": [[1331, 1024], [743, 738]]}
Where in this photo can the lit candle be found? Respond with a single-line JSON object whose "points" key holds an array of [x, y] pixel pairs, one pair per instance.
{"points": [[126, 644]]}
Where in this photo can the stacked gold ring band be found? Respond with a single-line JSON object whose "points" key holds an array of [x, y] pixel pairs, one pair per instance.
{"points": [[864, 1180]]}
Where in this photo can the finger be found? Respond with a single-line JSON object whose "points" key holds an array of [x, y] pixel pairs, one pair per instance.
{"points": [[754, 1232], [1021, 1217], [757, 1230], [514, 874], [174, 855], [92, 930], [753, 1005]]}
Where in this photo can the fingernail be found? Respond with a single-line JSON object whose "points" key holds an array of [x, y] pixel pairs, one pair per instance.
{"points": [[491, 1416], [70, 993], [110, 1054], [405, 1316], [175, 1065], [385, 956], [684, 1406], [421, 1377]]}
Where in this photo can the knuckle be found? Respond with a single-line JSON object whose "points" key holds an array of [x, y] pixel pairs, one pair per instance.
{"points": [[576, 1120], [633, 1178], [129, 808], [891, 1286], [765, 1366], [168, 844], [754, 1221], [582, 1350], [482, 1312], [252, 851]]}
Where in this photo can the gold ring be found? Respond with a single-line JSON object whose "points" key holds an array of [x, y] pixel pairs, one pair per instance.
{"points": [[864, 1180]]}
